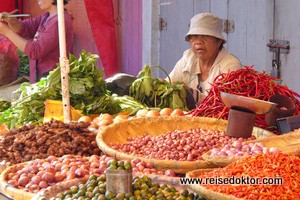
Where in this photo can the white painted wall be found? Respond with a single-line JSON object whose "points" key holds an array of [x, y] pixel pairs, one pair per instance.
{"points": [[253, 29], [151, 34], [287, 27]]}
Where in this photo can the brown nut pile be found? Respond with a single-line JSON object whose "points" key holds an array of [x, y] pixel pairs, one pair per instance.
{"points": [[53, 138]]}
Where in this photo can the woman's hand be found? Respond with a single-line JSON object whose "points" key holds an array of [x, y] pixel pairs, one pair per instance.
{"points": [[9, 28], [2, 18], [6, 19], [4, 28], [12, 22]]}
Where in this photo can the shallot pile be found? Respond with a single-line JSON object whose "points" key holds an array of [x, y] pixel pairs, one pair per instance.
{"points": [[177, 145], [239, 148], [41, 173]]}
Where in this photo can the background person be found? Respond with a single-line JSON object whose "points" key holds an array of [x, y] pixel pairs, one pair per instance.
{"points": [[9, 61], [38, 37], [207, 58]]}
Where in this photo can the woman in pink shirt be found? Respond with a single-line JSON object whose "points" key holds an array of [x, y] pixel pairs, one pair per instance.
{"points": [[38, 37]]}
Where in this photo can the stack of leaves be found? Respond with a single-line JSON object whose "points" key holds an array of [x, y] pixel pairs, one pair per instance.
{"points": [[4, 104], [245, 82], [24, 64], [85, 83], [87, 89], [158, 93]]}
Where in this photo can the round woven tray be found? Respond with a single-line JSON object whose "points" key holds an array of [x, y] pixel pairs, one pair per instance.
{"points": [[9, 190], [52, 191], [120, 132], [220, 161], [288, 143], [204, 192], [19, 194]]}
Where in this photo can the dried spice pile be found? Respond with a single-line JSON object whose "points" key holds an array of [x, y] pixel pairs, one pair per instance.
{"points": [[53, 138]]}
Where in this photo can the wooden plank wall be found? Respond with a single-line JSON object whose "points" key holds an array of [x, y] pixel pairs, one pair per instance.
{"points": [[128, 16], [287, 25], [253, 29], [256, 22]]}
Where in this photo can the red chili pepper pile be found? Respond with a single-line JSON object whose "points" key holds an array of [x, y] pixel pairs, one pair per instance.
{"points": [[245, 82], [276, 166]]}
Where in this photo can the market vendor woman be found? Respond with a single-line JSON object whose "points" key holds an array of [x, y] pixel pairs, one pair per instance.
{"points": [[207, 58], [38, 37]]}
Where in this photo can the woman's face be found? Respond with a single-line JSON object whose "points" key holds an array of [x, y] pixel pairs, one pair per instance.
{"points": [[45, 5], [205, 46]]}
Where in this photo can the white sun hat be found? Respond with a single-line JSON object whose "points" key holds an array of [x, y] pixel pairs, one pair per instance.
{"points": [[206, 24]]}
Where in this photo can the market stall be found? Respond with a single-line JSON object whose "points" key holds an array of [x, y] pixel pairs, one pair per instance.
{"points": [[124, 128]]}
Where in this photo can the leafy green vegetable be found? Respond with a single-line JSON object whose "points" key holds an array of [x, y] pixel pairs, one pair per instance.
{"points": [[85, 82], [87, 89], [114, 104], [158, 93], [24, 64], [4, 105]]}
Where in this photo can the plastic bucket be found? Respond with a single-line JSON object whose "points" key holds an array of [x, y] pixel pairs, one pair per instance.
{"points": [[240, 122], [119, 181]]}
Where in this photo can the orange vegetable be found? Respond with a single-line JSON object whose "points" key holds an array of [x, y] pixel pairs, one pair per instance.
{"points": [[177, 112], [153, 113], [166, 111], [259, 166], [85, 119]]}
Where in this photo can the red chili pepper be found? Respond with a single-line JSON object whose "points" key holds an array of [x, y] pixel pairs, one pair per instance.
{"points": [[245, 82], [269, 165]]}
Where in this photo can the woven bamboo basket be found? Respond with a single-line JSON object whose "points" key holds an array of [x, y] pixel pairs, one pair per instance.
{"points": [[204, 192], [120, 132], [288, 143], [20, 194], [220, 161], [8, 189], [52, 191]]}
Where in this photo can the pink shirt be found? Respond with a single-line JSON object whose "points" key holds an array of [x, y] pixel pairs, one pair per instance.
{"points": [[43, 49]]}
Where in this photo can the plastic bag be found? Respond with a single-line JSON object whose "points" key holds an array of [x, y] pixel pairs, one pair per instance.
{"points": [[9, 61], [120, 83]]}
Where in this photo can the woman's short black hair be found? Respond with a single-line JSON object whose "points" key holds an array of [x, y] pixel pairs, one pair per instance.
{"points": [[55, 2]]}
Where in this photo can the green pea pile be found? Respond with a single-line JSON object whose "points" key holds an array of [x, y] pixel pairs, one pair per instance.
{"points": [[142, 188], [119, 165]]}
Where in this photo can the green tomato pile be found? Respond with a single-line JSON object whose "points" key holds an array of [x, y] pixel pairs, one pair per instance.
{"points": [[142, 188], [119, 165]]}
